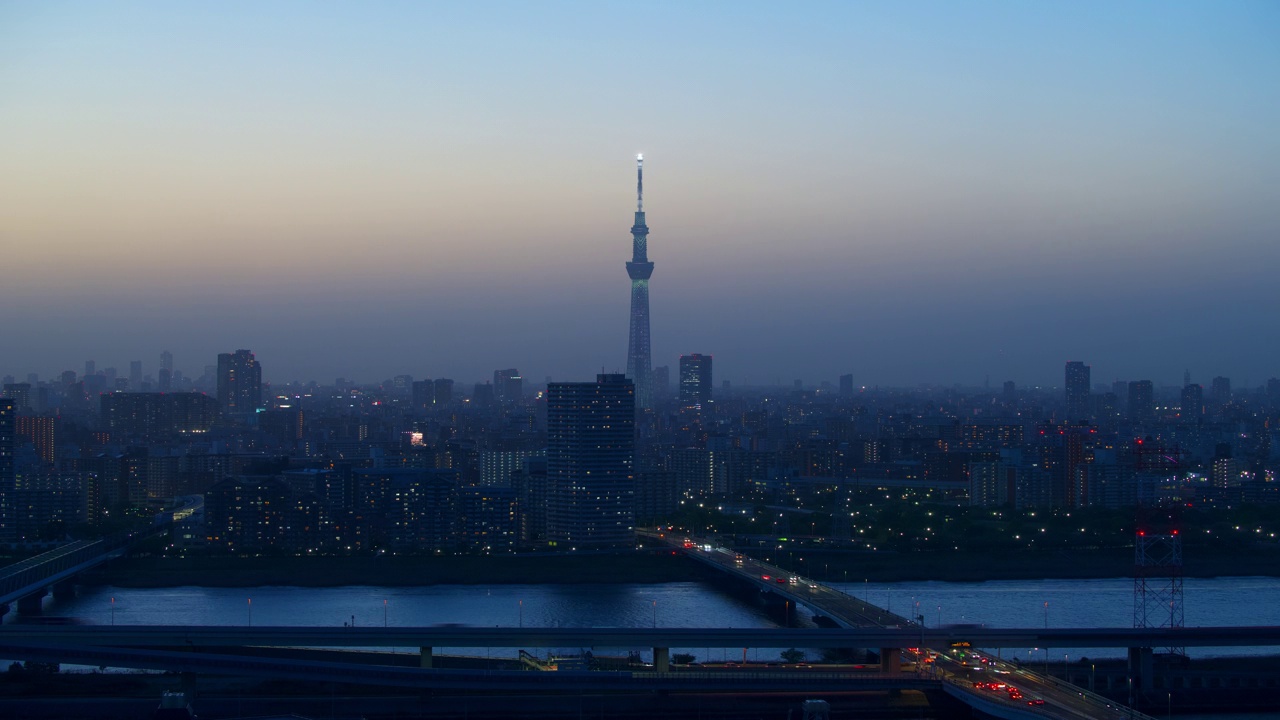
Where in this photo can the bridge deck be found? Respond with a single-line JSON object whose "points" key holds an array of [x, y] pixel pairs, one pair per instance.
{"points": [[853, 616]]}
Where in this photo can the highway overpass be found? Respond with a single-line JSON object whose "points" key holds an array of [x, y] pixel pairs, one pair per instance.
{"points": [[453, 636]]}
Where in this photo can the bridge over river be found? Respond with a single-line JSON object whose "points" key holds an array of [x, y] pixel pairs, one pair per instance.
{"points": [[986, 683], [980, 680], [28, 581]]}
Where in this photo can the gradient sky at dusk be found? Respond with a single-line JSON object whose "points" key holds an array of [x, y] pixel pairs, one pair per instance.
{"points": [[907, 191]]}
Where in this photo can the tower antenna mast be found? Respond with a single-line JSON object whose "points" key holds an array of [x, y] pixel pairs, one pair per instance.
{"points": [[640, 269]]}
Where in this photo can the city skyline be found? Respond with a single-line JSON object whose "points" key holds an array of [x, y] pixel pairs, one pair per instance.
{"points": [[924, 194]]}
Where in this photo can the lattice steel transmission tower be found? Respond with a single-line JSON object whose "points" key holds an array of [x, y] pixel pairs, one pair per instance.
{"points": [[640, 269], [1157, 546], [1157, 582]]}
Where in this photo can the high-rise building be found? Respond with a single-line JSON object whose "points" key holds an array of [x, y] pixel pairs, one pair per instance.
{"points": [[135, 375], [590, 462], [402, 385], [444, 391], [89, 367], [639, 269], [1221, 390], [152, 416], [1142, 404], [166, 361], [661, 387], [8, 439], [20, 393], [1192, 402], [508, 385], [846, 385], [1120, 389], [8, 436], [482, 395], [1078, 403], [695, 379], [38, 431], [424, 393], [239, 383]]}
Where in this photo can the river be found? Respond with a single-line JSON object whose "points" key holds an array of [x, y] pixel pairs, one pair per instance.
{"points": [[1020, 603]]}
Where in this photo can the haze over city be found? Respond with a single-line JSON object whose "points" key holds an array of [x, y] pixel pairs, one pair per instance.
{"points": [[924, 192]]}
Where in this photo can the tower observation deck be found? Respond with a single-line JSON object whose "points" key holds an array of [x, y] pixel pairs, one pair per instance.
{"points": [[639, 270]]}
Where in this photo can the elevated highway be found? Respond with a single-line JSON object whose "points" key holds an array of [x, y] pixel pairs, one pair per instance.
{"points": [[1002, 699], [28, 581], [722, 681], [189, 636]]}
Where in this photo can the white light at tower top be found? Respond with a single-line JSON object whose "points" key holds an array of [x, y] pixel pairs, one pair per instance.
{"points": [[640, 156]]}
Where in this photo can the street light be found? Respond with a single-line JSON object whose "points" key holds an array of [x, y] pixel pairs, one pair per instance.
{"points": [[655, 613], [250, 604], [113, 611], [521, 603], [384, 612]]}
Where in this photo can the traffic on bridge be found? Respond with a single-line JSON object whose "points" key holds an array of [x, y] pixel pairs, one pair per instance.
{"points": [[985, 683]]}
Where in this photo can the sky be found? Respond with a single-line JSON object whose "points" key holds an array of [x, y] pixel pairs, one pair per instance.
{"points": [[911, 192]]}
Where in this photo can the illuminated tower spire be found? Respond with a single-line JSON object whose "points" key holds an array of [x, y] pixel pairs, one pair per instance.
{"points": [[639, 269]]}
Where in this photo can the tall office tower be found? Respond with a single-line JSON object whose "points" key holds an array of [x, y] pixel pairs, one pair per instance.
{"points": [[166, 361], [1192, 402], [1142, 404], [89, 367], [444, 391], [1273, 393], [1078, 404], [1221, 390], [8, 439], [590, 460], [8, 443], [20, 393], [482, 395], [239, 383], [164, 380], [135, 375], [661, 382], [1120, 389], [846, 385], [424, 393], [695, 379], [508, 385], [639, 269], [1010, 394]]}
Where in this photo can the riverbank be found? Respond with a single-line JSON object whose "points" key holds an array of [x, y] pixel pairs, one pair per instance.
{"points": [[837, 566], [397, 571], [637, 568]]}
